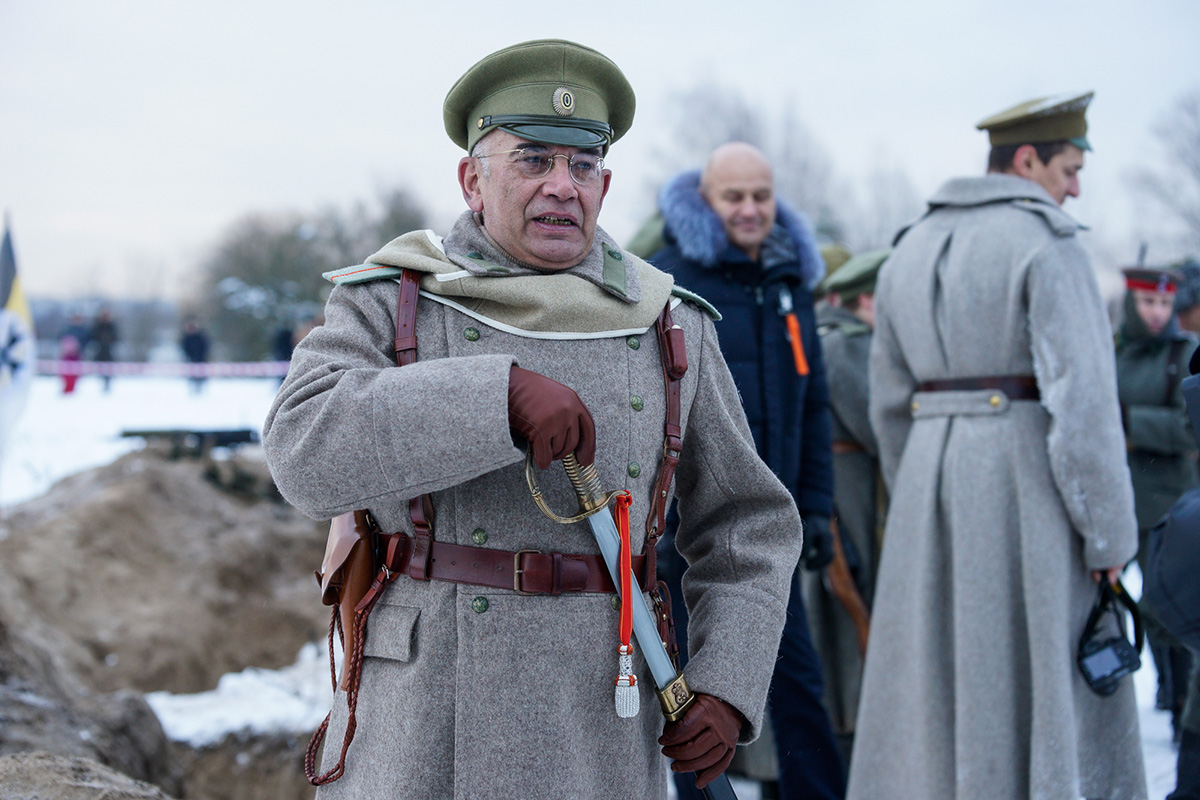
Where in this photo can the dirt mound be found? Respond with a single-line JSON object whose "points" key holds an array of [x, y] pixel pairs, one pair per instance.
{"points": [[149, 574], [269, 767], [164, 579], [42, 776]]}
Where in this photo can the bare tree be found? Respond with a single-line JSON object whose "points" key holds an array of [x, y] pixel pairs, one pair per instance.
{"points": [[1175, 185], [266, 273], [887, 202]]}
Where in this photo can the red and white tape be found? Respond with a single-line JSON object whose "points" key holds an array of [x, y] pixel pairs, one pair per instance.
{"points": [[243, 369]]}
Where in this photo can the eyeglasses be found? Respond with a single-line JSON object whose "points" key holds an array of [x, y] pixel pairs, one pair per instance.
{"points": [[584, 168]]}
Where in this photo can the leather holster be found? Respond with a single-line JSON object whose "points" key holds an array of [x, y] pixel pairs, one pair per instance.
{"points": [[349, 566]]}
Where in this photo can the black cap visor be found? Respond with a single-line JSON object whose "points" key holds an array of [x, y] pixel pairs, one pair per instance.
{"points": [[553, 130]]}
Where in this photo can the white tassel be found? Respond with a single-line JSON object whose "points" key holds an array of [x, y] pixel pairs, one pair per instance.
{"points": [[627, 698]]}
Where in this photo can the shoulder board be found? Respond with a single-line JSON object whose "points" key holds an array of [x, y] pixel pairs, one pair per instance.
{"points": [[696, 300], [361, 273], [1059, 221]]}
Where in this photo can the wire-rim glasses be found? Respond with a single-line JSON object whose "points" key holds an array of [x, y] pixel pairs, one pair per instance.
{"points": [[584, 168]]}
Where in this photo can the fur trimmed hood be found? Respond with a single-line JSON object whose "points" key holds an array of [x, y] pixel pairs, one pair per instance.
{"points": [[700, 236]]}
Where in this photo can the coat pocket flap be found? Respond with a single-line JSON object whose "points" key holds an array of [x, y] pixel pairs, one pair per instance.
{"points": [[391, 632]]}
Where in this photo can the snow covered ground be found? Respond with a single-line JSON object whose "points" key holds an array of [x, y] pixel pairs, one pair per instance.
{"points": [[58, 435]]}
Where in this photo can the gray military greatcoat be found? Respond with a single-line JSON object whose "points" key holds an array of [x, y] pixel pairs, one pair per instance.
{"points": [[999, 508], [470, 692]]}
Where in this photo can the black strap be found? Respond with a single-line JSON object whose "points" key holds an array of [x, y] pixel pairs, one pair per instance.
{"points": [[1106, 600]]}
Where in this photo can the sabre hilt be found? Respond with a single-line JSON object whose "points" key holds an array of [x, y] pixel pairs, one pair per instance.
{"points": [[585, 481]]}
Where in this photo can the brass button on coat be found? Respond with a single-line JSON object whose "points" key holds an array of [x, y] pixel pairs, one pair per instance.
{"points": [[633, 342], [479, 605], [479, 536], [916, 406], [471, 334], [994, 400], [616, 603], [635, 469], [636, 403]]}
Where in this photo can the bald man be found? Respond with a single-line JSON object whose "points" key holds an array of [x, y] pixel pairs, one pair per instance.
{"points": [[728, 238]]}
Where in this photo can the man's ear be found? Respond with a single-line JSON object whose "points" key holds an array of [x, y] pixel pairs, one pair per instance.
{"points": [[1025, 160], [469, 177]]}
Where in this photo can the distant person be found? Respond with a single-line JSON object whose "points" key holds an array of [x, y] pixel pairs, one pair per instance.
{"points": [[1187, 298], [282, 345], [1152, 361], [69, 353], [993, 398], [1170, 565], [728, 238], [838, 601], [77, 327], [104, 340], [195, 343]]}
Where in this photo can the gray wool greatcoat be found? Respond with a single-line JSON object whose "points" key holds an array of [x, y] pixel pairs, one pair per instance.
{"points": [[471, 692], [999, 509], [846, 342]]}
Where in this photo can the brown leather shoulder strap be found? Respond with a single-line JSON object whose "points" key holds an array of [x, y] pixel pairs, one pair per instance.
{"points": [[674, 364], [420, 509], [406, 317]]}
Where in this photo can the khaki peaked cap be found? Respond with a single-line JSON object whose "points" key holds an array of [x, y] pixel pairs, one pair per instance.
{"points": [[549, 90], [1046, 119]]}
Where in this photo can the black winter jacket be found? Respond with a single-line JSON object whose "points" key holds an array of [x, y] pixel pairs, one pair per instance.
{"points": [[788, 413]]}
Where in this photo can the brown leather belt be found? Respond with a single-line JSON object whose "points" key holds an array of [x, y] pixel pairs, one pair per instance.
{"points": [[1016, 387], [843, 446], [523, 571]]}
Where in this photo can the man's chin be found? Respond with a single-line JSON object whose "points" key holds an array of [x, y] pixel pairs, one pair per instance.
{"points": [[557, 254]]}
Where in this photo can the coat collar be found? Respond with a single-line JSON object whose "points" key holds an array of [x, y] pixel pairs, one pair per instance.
{"points": [[995, 188], [700, 236], [611, 293], [471, 247]]}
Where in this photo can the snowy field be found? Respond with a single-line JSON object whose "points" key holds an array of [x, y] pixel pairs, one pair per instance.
{"points": [[58, 435]]}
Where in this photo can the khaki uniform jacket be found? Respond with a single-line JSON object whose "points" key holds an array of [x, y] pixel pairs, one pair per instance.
{"points": [[998, 511], [470, 692]]}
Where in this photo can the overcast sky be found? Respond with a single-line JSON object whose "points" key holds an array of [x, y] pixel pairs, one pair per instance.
{"points": [[133, 133]]}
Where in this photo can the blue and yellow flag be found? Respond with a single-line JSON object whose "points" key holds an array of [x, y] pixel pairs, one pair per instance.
{"points": [[16, 340]]}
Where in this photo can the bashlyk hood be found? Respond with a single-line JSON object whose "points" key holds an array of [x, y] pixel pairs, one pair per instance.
{"points": [[609, 293], [700, 235]]}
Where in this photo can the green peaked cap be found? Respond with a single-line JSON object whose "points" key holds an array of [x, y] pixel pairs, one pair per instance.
{"points": [[549, 90]]}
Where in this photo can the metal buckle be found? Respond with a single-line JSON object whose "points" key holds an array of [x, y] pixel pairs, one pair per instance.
{"points": [[517, 571]]}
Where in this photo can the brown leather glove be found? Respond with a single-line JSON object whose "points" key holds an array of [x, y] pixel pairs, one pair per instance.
{"points": [[549, 416], [704, 740]]}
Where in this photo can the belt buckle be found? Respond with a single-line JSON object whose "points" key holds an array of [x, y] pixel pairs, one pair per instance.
{"points": [[517, 571]]}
